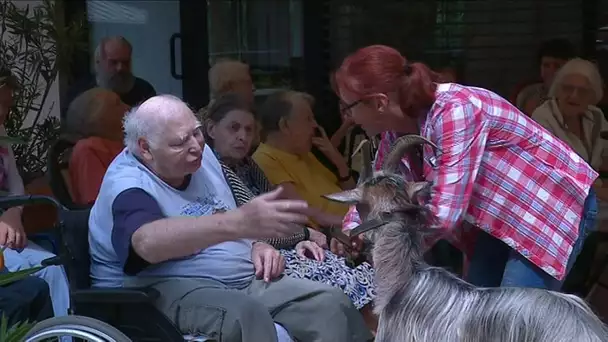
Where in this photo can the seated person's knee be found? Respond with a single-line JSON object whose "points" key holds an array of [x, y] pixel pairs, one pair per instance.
{"points": [[229, 319]]}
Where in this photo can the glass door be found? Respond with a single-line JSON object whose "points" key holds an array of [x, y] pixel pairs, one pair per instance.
{"points": [[168, 42]]}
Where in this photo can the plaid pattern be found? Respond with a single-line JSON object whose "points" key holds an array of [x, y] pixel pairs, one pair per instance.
{"points": [[501, 172]]}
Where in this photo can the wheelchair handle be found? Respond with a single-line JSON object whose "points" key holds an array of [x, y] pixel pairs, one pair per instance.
{"points": [[7, 202]]}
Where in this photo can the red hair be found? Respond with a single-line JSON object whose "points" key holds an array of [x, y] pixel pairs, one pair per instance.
{"points": [[382, 69]]}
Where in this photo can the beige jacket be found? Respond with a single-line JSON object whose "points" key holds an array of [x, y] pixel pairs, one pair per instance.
{"points": [[549, 116]]}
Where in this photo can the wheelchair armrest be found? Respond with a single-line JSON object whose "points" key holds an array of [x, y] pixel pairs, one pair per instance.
{"points": [[52, 261], [115, 296]]}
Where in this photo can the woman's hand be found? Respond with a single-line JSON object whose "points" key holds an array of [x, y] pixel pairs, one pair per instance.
{"points": [[12, 234], [318, 238], [356, 246], [336, 247], [340, 134], [267, 261], [306, 249], [329, 150], [353, 250]]}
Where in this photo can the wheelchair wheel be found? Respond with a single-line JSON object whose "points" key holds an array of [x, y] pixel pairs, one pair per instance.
{"points": [[78, 327]]}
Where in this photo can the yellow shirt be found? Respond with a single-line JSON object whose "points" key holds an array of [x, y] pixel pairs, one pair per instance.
{"points": [[310, 178]]}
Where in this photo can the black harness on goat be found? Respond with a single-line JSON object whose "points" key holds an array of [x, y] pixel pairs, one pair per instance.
{"points": [[385, 217], [367, 225]]}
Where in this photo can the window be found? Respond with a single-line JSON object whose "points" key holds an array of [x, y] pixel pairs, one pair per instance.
{"points": [[266, 34]]}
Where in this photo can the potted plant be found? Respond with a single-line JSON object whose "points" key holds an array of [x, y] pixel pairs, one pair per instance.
{"points": [[36, 46], [14, 333]]}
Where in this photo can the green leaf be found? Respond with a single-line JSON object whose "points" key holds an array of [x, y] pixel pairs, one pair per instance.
{"points": [[36, 45], [11, 140], [15, 333], [11, 277]]}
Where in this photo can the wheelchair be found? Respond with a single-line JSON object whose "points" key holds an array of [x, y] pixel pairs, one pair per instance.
{"points": [[82, 328], [129, 313]]}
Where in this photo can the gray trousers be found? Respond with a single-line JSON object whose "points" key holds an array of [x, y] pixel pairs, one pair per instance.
{"points": [[309, 311]]}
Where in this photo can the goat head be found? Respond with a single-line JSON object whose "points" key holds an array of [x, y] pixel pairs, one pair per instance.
{"points": [[379, 195]]}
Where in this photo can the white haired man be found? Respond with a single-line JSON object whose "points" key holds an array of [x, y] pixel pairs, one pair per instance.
{"points": [[113, 72], [166, 217]]}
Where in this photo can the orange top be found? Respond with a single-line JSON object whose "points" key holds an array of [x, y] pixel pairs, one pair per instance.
{"points": [[88, 164]]}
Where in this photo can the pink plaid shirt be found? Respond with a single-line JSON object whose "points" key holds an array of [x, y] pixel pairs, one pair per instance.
{"points": [[501, 172]]}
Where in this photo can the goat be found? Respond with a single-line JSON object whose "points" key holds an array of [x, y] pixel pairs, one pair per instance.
{"points": [[418, 302]]}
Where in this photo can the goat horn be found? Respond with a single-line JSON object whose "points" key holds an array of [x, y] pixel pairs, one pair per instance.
{"points": [[400, 147], [366, 160]]}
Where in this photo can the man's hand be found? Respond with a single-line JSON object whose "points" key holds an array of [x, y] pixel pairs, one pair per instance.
{"points": [[309, 249], [268, 263], [318, 238], [12, 234], [268, 216]]}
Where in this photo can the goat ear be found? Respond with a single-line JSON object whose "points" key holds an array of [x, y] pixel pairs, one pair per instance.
{"points": [[366, 160], [347, 197], [414, 189]]}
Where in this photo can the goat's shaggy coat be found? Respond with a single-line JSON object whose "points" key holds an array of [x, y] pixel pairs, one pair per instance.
{"points": [[417, 302]]}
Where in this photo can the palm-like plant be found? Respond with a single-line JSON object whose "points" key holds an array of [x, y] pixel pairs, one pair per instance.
{"points": [[14, 333], [17, 331]]}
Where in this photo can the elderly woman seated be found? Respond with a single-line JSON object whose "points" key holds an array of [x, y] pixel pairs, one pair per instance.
{"points": [[551, 56], [229, 128], [571, 115], [94, 123], [289, 132]]}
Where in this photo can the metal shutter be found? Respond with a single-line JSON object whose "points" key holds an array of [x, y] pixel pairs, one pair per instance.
{"points": [[502, 38], [495, 40]]}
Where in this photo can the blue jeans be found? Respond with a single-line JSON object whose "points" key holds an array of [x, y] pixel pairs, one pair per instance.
{"points": [[495, 264], [31, 256], [25, 299]]}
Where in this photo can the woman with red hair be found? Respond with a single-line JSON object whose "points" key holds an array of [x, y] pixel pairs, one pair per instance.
{"points": [[516, 200]]}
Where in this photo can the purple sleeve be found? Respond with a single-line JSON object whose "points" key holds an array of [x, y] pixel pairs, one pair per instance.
{"points": [[132, 209]]}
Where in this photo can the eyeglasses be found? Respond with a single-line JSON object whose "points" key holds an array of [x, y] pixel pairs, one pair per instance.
{"points": [[347, 108], [570, 89]]}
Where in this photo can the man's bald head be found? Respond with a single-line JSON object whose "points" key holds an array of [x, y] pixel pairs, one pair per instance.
{"points": [[165, 136], [149, 120]]}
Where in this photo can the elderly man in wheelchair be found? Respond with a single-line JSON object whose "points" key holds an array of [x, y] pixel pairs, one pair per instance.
{"points": [[166, 218]]}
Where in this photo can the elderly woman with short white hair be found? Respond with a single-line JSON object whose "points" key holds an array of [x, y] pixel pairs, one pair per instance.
{"points": [[571, 114]]}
